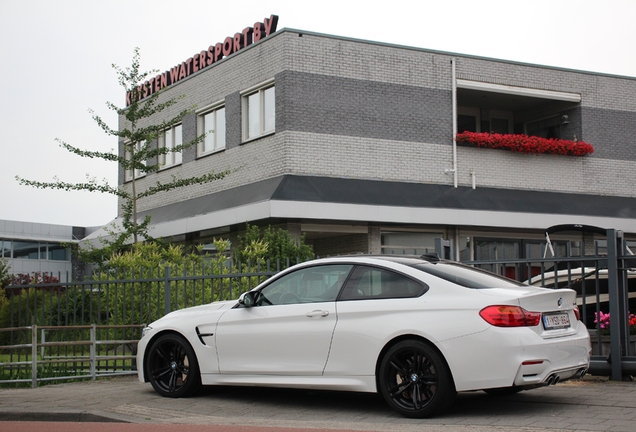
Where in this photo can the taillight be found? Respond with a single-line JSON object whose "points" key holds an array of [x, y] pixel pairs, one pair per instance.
{"points": [[577, 313], [510, 316]]}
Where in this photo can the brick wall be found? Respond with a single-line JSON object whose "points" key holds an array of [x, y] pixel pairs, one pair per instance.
{"points": [[346, 108]]}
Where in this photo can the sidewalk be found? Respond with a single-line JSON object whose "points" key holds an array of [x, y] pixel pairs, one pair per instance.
{"points": [[591, 404]]}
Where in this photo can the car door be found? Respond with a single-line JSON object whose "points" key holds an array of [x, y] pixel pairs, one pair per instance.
{"points": [[375, 304], [288, 331]]}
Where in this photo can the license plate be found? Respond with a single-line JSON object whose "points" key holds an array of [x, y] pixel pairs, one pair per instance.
{"points": [[556, 321]]}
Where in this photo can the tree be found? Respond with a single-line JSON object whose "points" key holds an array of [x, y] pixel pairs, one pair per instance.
{"points": [[139, 135], [5, 277], [270, 245]]}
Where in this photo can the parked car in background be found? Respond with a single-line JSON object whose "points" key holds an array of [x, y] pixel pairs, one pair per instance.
{"points": [[415, 329], [590, 285]]}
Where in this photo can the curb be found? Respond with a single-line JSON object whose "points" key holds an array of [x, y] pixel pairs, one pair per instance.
{"points": [[72, 417]]}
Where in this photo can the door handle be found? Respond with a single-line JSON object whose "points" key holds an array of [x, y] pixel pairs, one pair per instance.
{"points": [[317, 313]]}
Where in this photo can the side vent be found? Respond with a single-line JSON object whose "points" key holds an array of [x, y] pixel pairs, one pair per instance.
{"points": [[202, 335]]}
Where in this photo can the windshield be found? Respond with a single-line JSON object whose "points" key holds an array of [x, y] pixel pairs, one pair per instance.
{"points": [[469, 277]]}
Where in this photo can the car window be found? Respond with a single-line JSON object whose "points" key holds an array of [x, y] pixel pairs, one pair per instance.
{"points": [[307, 285], [466, 276], [376, 283]]}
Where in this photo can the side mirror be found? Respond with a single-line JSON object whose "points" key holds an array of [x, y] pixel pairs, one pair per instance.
{"points": [[248, 299]]}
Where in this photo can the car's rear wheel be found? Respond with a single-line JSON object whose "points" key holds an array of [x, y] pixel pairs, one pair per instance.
{"points": [[172, 367], [414, 379]]}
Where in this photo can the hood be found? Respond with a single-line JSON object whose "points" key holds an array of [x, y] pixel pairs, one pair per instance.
{"points": [[197, 310]]}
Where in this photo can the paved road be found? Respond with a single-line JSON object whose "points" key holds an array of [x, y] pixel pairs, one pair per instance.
{"points": [[592, 404]]}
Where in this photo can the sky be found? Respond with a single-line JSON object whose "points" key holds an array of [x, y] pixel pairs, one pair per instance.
{"points": [[56, 61]]}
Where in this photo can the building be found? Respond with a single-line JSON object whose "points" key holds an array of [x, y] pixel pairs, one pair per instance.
{"points": [[351, 143], [35, 248]]}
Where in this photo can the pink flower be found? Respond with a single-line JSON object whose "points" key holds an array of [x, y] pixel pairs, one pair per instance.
{"points": [[603, 319]]}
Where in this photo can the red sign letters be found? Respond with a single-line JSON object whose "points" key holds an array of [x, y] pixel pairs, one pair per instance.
{"points": [[205, 58]]}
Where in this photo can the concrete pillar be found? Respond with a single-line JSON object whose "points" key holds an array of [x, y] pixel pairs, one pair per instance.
{"points": [[375, 240]]}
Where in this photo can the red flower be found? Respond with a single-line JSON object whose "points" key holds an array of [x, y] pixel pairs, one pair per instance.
{"points": [[526, 144]]}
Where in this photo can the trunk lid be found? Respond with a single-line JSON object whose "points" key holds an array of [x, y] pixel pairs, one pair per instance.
{"points": [[555, 305]]}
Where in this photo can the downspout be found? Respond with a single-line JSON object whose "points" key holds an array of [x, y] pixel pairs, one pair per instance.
{"points": [[454, 96]]}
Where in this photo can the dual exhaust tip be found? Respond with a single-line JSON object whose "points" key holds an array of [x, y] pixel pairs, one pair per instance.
{"points": [[554, 379]]}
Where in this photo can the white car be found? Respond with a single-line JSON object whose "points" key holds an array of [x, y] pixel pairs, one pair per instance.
{"points": [[415, 329]]}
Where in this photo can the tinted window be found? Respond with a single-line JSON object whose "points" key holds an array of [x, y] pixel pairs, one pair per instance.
{"points": [[307, 285], [375, 283], [466, 276]]}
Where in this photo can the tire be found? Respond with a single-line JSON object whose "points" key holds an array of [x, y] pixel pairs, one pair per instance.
{"points": [[414, 379], [172, 367]]}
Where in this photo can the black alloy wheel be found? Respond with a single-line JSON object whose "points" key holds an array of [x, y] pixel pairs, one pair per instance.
{"points": [[414, 379], [172, 367]]}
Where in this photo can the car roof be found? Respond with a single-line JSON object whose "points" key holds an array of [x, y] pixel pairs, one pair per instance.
{"points": [[408, 260]]}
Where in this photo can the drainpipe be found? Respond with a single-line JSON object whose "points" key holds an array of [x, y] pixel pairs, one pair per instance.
{"points": [[454, 96]]}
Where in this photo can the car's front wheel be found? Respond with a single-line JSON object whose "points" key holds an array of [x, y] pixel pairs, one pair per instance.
{"points": [[414, 379], [172, 366]]}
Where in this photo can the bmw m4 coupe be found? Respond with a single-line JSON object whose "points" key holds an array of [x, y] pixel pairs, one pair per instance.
{"points": [[417, 330]]}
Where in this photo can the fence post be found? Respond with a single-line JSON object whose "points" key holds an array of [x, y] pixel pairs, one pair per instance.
{"points": [[93, 332], [34, 356], [614, 309], [43, 338], [167, 307]]}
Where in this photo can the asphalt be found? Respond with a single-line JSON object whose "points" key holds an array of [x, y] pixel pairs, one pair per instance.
{"points": [[591, 404]]}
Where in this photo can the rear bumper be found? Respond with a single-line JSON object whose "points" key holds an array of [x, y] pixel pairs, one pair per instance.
{"points": [[550, 376], [506, 357], [555, 360]]}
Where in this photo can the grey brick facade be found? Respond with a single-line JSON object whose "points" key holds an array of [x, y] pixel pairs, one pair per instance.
{"points": [[354, 109]]}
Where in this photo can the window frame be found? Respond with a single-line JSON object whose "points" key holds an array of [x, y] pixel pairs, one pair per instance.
{"points": [[330, 289], [201, 129], [544, 126], [26, 250], [128, 174], [353, 281], [171, 159], [262, 113]]}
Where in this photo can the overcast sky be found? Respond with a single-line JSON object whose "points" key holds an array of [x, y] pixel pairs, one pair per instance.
{"points": [[56, 56]]}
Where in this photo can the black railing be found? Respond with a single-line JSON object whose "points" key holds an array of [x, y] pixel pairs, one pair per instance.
{"points": [[606, 293], [605, 284]]}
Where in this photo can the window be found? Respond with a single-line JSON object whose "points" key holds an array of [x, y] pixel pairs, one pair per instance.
{"points": [[307, 285], [128, 174], [57, 252], [403, 243], [171, 139], [547, 128], [26, 250], [34, 250], [483, 120], [369, 283], [469, 277], [259, 110], [212, 123], [5, 248]]}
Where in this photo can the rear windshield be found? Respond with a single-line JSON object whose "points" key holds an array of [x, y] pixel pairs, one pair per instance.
{"points": [[469, 277]]}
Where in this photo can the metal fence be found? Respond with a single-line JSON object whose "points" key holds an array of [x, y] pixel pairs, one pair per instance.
{"points": [[606, 293], [76, 320], [605, 284], [53, 353], [128, 296]]}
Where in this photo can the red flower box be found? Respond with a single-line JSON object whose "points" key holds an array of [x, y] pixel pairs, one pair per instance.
{"points": [[525, 144]]}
